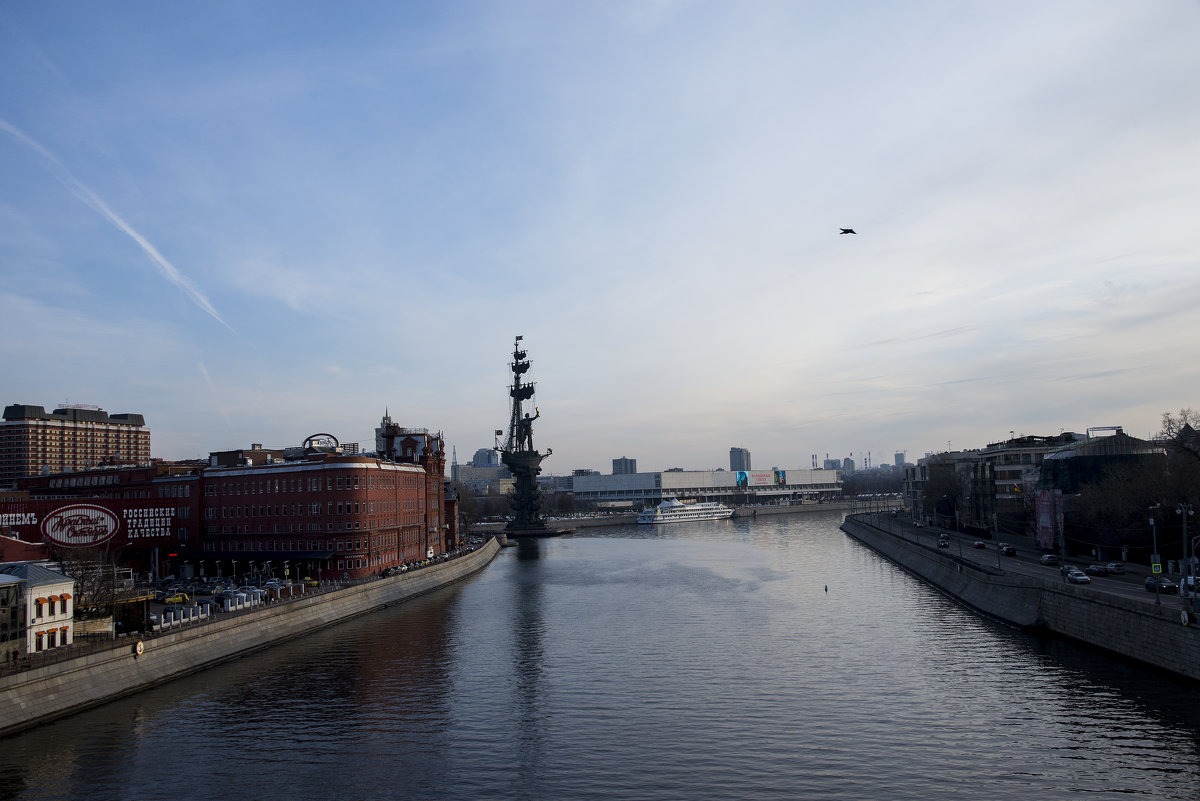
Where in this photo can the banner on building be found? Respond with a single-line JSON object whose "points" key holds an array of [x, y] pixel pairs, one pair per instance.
{"points": [[1049, 518], [90, 523]]}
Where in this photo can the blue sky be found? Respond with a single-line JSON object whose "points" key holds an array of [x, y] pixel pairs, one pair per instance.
{"points": [[255, 221]]}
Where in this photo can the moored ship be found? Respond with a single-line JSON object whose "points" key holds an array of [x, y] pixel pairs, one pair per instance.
{"points": [[673, 510]]}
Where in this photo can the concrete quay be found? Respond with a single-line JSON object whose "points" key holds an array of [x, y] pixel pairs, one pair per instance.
{"points": [[39, 695], [1121, 623]]}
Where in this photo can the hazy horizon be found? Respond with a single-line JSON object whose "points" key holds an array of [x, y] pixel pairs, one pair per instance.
{"points": [[265, 220]]}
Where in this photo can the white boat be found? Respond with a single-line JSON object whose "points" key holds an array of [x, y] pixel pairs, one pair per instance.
{"points": [[674, 511]]}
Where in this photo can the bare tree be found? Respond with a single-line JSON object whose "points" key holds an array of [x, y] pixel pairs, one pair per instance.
{"points": [[468, 506], [1110, 511], [944, 491], [1182, 482], [1173, 425], [95, 579]]}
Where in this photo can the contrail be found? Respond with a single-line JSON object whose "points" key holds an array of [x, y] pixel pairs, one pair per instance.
{"points": [[79, 190]]}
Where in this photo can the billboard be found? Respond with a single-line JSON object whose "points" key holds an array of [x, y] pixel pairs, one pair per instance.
{"points": [[90, 523], [1049, 517], [759, 478]]}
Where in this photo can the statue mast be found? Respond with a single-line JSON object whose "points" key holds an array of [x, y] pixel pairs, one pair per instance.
{"points": [[518, 454]]}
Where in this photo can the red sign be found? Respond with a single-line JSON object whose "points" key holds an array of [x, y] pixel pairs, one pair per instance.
{"points": [[80, 525]]}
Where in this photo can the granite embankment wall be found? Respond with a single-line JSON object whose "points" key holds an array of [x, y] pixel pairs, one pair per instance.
{"points": [[1133, 628], [39, 695]]}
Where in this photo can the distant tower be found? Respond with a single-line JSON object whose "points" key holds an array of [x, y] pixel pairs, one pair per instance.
{"points": [[899, 457], [624, 466], [739, 459]]}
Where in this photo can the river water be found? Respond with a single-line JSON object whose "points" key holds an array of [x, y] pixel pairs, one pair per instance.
{"points": [[773, 659]]}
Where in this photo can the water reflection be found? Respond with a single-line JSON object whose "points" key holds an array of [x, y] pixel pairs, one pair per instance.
{"points": [[528, 655], [677, 663]]}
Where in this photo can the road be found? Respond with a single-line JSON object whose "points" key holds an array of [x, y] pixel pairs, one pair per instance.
{"points": [[1130, 585]]}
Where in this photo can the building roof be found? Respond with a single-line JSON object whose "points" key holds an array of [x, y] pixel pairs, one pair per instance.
{"points": [[1119, 444], [34, 574], [25, 411]]}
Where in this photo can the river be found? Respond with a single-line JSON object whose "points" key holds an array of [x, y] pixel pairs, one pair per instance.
{"points": [[772, 659]]}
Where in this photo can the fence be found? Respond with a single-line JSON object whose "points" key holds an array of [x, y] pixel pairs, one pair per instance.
{"points": [[94, 643]]}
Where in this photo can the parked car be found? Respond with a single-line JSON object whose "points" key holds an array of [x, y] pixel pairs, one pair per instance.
{"points": [[1049, 559], [207, 603], [1065, 569], [1006, 549], [177, 598], [1116, 568], [1096, 570], [1078, 577], [918, 524], [1161, 584], [978, 544]]}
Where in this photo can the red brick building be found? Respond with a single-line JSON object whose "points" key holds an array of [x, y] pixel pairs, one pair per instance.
{"points": [[326, 515], [298, 512]]}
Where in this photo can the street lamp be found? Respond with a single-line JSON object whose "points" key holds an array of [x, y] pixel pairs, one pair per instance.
{"points": [[1184, 510], [1155, 562]]}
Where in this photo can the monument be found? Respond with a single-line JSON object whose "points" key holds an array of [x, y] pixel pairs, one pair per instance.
{"points": [[519, 455]]}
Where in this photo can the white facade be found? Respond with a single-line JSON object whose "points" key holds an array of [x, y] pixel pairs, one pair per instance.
{"points": [[729, 486], [48, 604]]}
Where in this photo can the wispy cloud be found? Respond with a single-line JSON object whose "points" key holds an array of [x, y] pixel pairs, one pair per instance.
{"points": [[81, 191]]}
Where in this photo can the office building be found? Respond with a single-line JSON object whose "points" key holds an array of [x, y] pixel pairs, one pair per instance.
{"points": [[624, 466], [486, 457], [739, 459]]}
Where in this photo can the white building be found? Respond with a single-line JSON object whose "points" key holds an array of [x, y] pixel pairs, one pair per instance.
{"points": [[49, 609], [733, 486]]}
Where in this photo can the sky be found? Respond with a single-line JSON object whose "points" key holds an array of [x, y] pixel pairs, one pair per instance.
{"points": [[255, 221]]}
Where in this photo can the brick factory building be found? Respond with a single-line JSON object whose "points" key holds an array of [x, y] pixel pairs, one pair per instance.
{"points": [[327, 514], [308, 511], [34, 441]]}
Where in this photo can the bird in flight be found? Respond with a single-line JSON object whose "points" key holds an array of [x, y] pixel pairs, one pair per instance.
{"points": [[849, 231]]}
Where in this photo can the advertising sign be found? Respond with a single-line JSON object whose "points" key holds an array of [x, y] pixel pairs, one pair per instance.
{"points": [[1049, 517], [79, 525], [86, 524], [762, 478]]}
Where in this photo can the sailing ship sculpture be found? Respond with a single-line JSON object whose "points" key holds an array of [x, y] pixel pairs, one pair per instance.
{"points": [[519, 456]]}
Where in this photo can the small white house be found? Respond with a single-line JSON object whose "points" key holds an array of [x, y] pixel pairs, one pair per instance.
{"points": [[48, 604]]}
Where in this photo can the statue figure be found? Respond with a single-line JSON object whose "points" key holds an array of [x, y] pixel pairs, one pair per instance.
{"points": [[525, 435]]}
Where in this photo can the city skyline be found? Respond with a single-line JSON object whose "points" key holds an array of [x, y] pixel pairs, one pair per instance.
{"points": [[276, 220]]}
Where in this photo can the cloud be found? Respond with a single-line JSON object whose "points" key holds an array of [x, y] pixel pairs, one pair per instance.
{"points": [[81, 191]]}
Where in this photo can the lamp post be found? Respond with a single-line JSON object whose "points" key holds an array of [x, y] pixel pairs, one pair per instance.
{"points": [[957, 534], [1184, 510], [1155, 562]]}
